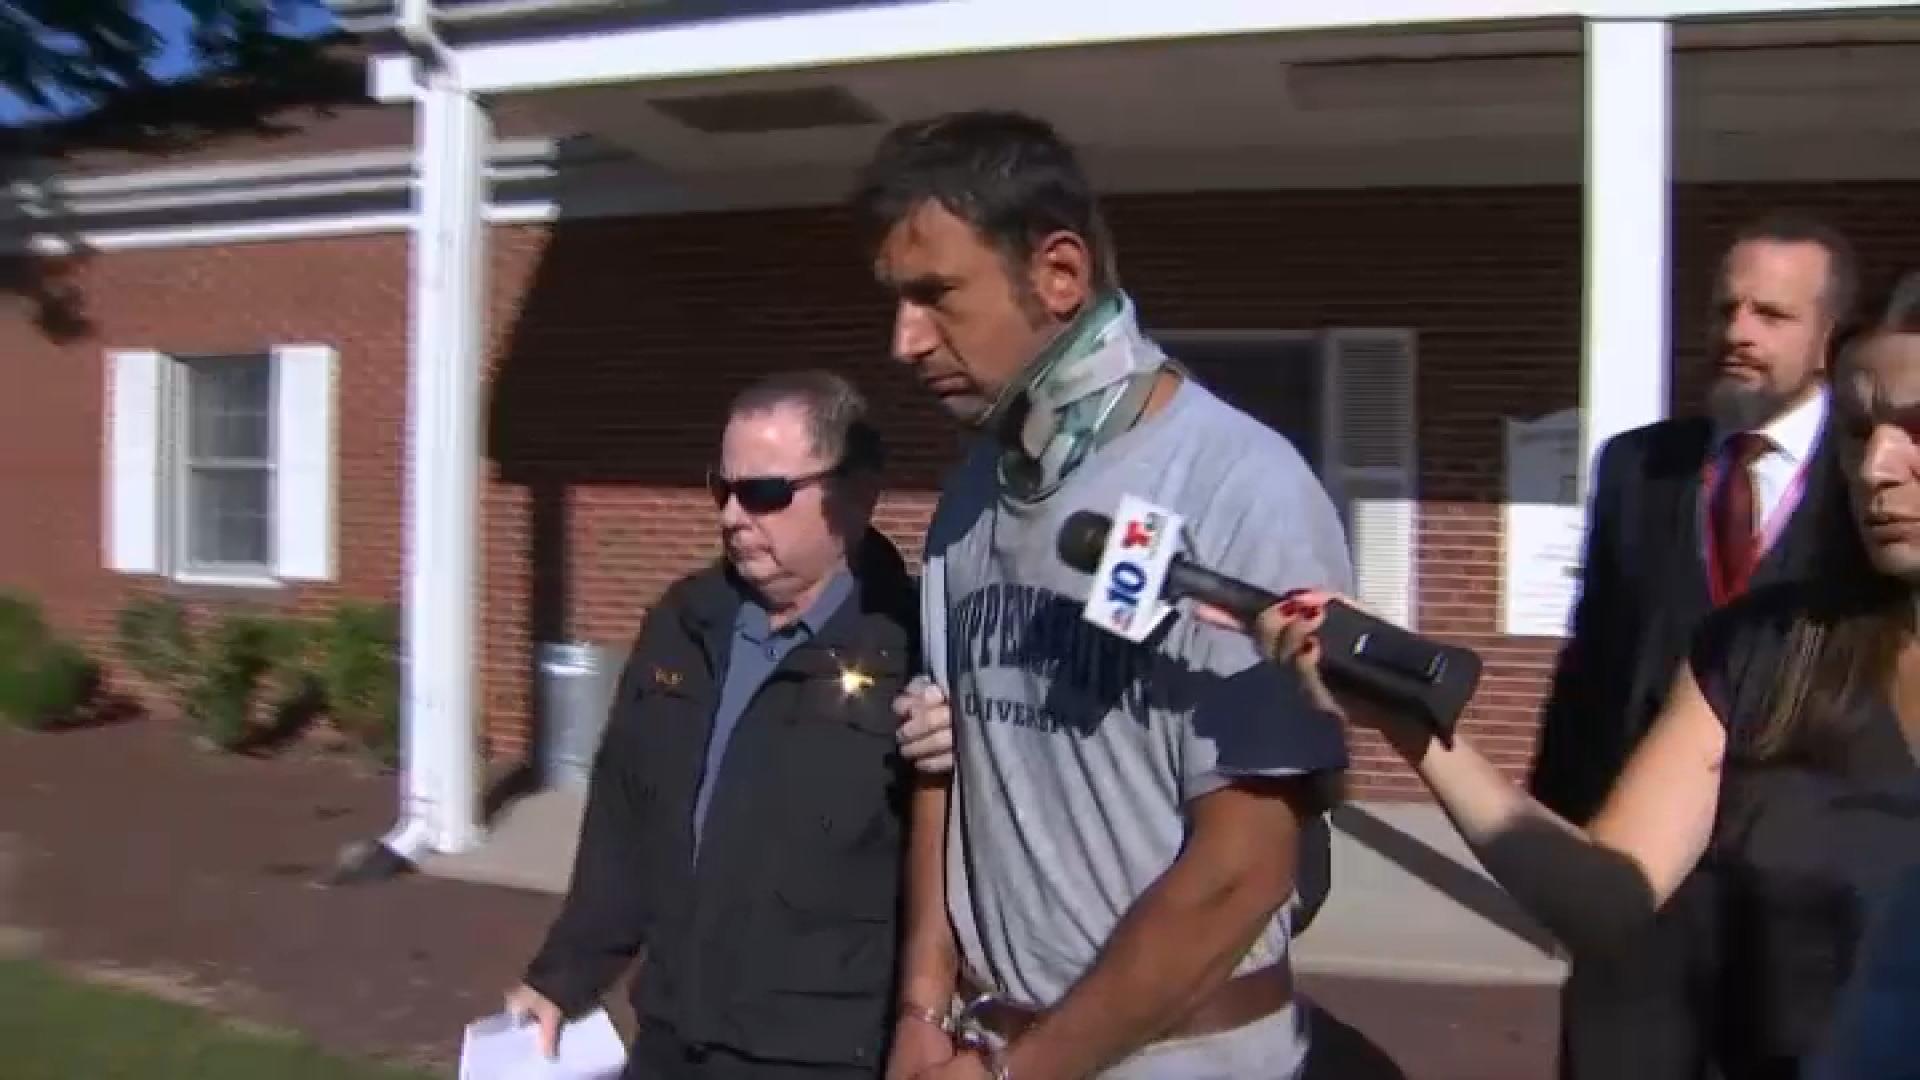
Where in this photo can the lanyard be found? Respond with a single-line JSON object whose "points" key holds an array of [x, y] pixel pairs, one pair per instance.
{"points": [[1770, 529]]}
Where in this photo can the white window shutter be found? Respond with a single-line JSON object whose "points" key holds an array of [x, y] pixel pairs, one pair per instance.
{"points": [[304, 416], [1372, 466], [136, 426]]}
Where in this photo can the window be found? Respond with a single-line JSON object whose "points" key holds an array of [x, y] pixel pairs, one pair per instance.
{"points": [[223, 504], [1345, 399], [1275, 377], [220, 468]]}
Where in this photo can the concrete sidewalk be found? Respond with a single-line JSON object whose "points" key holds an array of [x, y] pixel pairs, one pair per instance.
{"points": [[1408, 901]]}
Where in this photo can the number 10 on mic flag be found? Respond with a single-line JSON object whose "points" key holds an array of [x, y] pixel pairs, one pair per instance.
{"points": [[1126, 594]]}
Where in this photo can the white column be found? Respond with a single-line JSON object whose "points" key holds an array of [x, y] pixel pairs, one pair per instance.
{"points": [[1629, 190], [452, 135]]}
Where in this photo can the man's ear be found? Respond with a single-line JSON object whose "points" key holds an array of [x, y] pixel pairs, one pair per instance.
{"points": [[1061, 274]]}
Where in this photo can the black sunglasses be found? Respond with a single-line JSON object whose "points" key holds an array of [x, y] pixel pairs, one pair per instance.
{"points": [[761, 494]]}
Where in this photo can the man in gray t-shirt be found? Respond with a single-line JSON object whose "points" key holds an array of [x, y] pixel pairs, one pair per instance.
{"points": [[1079, 752], [1110, 872]]}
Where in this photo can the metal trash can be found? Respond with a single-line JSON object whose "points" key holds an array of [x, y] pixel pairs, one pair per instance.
{"points": [[573, 710]]}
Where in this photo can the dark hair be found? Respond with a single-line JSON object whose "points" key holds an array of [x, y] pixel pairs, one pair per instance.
{"points": [[1843, 267], [1849, 624], [1007, 174], [836, 411], [1845, 639]]}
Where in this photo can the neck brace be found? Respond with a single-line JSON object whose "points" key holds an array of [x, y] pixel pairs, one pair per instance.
{"points": [[1087, 386]]}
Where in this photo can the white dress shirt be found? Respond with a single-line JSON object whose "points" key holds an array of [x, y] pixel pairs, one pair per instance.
{"points": [[1792, 437]]}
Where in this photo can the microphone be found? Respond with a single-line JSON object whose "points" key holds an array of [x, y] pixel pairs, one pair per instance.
{"points": [[1135, 567]]}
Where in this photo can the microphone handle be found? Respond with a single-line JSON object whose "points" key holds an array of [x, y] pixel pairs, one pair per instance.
{"points": [[1237, 598], [1366, 655]]}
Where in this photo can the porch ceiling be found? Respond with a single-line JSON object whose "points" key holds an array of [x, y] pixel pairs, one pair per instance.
{"points": [[1354, 94]]}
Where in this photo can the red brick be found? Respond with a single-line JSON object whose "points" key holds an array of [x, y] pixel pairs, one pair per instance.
{"points": [[616, 343]]}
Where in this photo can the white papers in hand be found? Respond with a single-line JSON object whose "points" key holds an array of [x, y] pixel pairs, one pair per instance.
{"points": [[507, 1047]]}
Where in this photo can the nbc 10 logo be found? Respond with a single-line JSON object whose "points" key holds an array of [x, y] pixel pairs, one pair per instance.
{"points": [[1126, 582]]}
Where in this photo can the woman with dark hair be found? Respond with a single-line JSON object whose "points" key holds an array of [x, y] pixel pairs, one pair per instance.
{"points": [[1785, 754]]}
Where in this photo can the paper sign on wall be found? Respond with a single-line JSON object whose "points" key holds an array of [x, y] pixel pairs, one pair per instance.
{"points": [[1545, 525]]}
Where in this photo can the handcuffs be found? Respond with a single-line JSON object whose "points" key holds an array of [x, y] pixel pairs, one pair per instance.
{"points": [[963, 1026]]}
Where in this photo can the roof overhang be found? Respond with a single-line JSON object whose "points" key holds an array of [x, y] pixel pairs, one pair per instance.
{"points": [[504, 46]]}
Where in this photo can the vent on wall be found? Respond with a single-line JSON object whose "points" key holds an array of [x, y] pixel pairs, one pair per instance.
{"points": [[763, 111]]}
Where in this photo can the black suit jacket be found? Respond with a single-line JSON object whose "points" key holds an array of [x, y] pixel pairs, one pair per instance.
{"points": [[1644, 590]]}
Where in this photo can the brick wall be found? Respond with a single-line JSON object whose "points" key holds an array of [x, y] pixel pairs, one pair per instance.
{"points": [[244, 298], [617, 343]]}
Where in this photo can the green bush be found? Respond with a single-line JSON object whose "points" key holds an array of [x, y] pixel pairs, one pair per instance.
{"points": [[156, 640], [219, 678], [44, 680], [21, 625], [359, 672], [242, 655]]}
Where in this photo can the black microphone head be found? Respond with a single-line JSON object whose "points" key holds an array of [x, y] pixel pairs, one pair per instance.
{"points": [[1083, 536]]}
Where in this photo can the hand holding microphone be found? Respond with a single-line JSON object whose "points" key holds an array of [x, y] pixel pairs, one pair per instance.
{"points": [[1288, 633], [1406, 679]]}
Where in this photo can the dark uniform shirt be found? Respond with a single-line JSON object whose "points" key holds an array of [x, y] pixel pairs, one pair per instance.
{"points": [[757, 652]]}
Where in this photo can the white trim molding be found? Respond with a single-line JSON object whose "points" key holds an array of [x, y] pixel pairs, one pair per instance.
{"points": [[617, 188], [879, 32], [240, 232], [292, 198]]}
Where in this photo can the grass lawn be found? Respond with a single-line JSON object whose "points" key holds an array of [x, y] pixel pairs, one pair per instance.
{"points": [[57, 1028]]}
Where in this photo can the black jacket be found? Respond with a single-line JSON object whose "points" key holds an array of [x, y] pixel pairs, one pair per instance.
{"points": [[780, 943], [1644, 591]]}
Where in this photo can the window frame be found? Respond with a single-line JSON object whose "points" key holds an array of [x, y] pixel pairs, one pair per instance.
{"points": [[1383, 532], [1325, 454], [177, 467]]}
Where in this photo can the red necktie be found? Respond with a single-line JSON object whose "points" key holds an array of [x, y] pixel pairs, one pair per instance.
{"points": [[1736, 541]]}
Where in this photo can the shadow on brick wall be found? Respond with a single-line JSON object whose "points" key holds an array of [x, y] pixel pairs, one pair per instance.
{"points": [[630, 336], [612, 382]]}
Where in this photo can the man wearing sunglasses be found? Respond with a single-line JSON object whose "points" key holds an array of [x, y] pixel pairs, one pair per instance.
{"points": [[1119, 867], [746, 819]]}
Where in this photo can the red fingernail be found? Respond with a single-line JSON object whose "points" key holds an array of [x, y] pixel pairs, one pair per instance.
{"points": [[1289, 608], [1312, 611]]}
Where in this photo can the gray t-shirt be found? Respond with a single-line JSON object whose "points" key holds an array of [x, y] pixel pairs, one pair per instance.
{"points": [[1077, 751]]}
